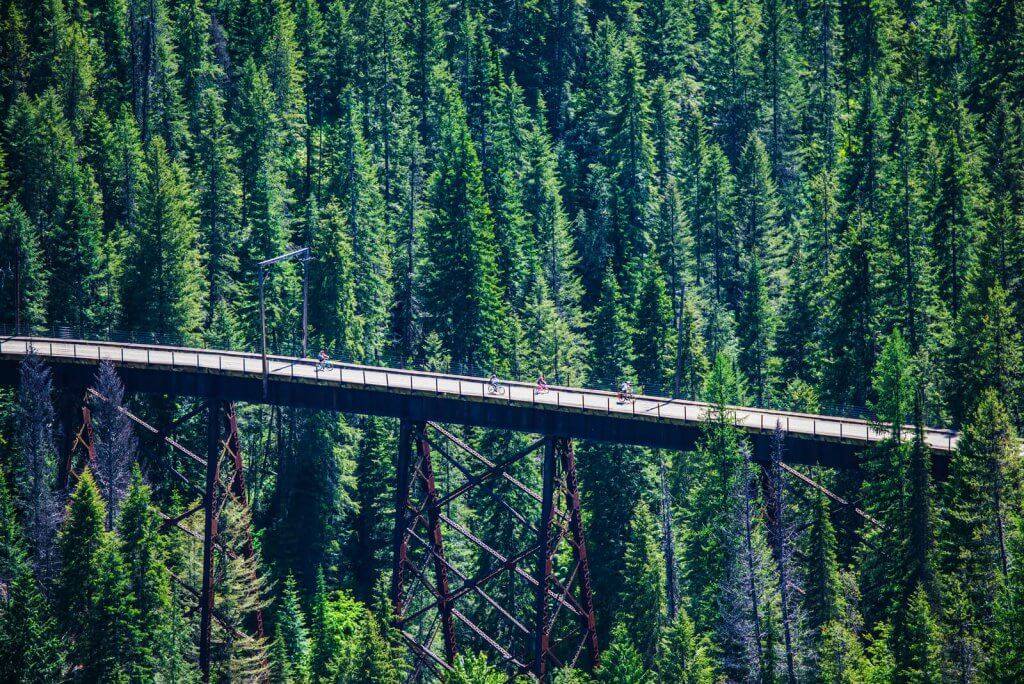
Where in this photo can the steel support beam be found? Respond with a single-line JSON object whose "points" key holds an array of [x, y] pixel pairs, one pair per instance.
{"points": [[541, 626], [400, 537], [549, 526], [426, 468], [211, 506], [588, 620]]}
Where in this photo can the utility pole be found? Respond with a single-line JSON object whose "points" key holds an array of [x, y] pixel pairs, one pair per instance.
{"points": [[303, 255]]}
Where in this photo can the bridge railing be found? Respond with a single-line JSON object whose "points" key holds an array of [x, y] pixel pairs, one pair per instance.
{"points": [[150, 350]]}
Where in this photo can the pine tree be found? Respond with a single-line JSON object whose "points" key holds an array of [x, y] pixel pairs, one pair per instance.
{"points": [[916, 644], [291, 634], [358, 194], [715, 232], [113, 647], [756, 327], [732, 73], [115, 441], [979, 493], [986, 355], [642, 612], [621, 664], [314, 499], [1007, 661], [373, 526], [37, 460], [630, 159], [33, 650], [59, 194], [164, 281], [461, 290], [667, 34], [149, 581], [332, 311], [82, 542], [758, 214], [686, 655], [823, 599], [218, 196], [710, 506], [849, 335], [23, 292], [653, 341]]}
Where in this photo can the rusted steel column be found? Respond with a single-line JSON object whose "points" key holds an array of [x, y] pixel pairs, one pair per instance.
{"points": [[542, 627], [211, 506], [440, 566], [400, 536], [588, 621]]}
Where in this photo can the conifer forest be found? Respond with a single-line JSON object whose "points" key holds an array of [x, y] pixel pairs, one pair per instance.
{"points": [[806, 205]]}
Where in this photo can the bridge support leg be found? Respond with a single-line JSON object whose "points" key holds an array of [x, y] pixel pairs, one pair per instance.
{"points": [[400, 537], [426, 471], [427, 606], [542, 626], [211, 507], [587, 617]]}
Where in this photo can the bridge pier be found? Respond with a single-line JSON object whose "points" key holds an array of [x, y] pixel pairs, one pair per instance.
{"points": [[448, 601]]}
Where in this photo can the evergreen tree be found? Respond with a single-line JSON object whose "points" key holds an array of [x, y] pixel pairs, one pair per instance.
{"points": [[461, 293], [82, 543], [756, 329], [115, 441], [164, 281], [149, 581], [621, 663], [218, 196], [37, 460], [823, 599], [23, 290], [732, 72], [358, 194], [291, 635], [917, 650], [1007, 663], [33, 649], [979, 493], [643, 605], [686, 655], [630, 159]]}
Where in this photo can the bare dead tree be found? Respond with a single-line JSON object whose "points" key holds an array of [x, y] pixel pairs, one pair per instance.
{"points": [[37, 463], [115, 441]]}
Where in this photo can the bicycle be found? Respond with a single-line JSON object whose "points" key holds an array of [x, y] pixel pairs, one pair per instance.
{"points": [[324, 365], [495, 389]]}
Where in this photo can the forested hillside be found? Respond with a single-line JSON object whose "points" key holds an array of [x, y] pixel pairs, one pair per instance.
{"points": [[805, 204]]}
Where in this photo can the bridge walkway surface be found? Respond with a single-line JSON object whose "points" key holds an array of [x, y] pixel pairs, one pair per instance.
{"points": [[572, 412]]}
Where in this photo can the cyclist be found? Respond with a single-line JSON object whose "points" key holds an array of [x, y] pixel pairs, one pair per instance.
{"points": [[542, 385], [492, 384], [322, 361], [625, 392]]}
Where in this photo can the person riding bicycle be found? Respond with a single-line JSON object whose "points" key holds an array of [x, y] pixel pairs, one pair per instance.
{"points": [[322, 359], [625, 391], [542, 384], [493, 385]]}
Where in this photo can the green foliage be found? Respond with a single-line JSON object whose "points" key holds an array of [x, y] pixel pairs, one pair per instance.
{"points": [[621, 663], [685, 655]]}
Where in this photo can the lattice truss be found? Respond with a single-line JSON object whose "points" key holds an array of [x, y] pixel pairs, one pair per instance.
{"points": [[524, 594]]}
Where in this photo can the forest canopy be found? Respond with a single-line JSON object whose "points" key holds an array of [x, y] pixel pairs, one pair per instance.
{"points": [[814, 205]]}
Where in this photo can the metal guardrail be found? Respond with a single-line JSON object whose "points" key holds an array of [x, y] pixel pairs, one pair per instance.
{"points": [[465, 386]]}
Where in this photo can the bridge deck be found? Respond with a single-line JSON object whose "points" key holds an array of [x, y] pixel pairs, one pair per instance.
{"points": [[576, 412]]}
